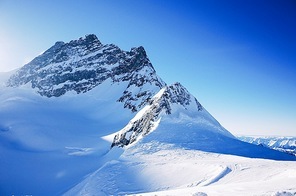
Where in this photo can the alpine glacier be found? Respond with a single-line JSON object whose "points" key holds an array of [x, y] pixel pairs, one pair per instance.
{"points": [[85, 118]]}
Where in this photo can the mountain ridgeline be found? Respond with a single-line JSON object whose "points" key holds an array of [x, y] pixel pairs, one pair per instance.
{"points": [[162, 103], [83, 64], [283, 144]]}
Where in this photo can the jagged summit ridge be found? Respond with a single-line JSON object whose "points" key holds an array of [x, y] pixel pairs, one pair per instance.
{"points": [[163, 103], [83, 64]]}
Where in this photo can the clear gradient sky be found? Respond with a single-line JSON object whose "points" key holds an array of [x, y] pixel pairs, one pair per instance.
{"points": [[238, 58]]}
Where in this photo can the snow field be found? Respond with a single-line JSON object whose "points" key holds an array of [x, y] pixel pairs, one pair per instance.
{"points": [[163, 169], [61, 147], [49, 145]]}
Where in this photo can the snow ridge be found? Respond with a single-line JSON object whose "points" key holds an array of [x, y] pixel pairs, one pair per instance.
{"points": [[148, 118]]}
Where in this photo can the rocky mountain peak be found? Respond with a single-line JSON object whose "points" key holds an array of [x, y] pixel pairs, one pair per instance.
{"points": [[83, 64], [178, 94], [58, 44], [89, 41], [140, 51]]}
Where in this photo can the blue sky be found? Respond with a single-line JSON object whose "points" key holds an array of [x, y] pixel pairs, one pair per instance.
{"points": [[237, 57]]}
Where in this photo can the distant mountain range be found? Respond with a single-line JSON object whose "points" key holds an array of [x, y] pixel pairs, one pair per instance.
{"points": [[283, 144]]}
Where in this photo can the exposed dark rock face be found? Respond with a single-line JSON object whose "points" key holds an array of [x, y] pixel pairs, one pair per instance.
{"points": [[83, 64]]}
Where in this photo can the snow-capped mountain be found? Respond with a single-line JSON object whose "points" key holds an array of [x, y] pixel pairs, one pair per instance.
{"points": [[81, 108], [83, 64], [284, 144], [169, 100]]}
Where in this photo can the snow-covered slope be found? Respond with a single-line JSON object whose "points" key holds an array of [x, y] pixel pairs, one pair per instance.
{"points": [[55, 109], [61, 113], [284, 144], [174, 116], [173, 101], [155, 168], [48, 145]]}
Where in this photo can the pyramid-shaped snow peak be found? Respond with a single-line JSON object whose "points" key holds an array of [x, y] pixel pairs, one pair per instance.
{"points": [[171, 102]]}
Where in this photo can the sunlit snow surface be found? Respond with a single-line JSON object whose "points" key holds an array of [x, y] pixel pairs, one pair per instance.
{"points": [[182, 158], [49, 145], [148, 167], [59, 146]]}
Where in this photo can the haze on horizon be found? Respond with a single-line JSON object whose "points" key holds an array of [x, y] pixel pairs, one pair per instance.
{"points": [[237, 58]]}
